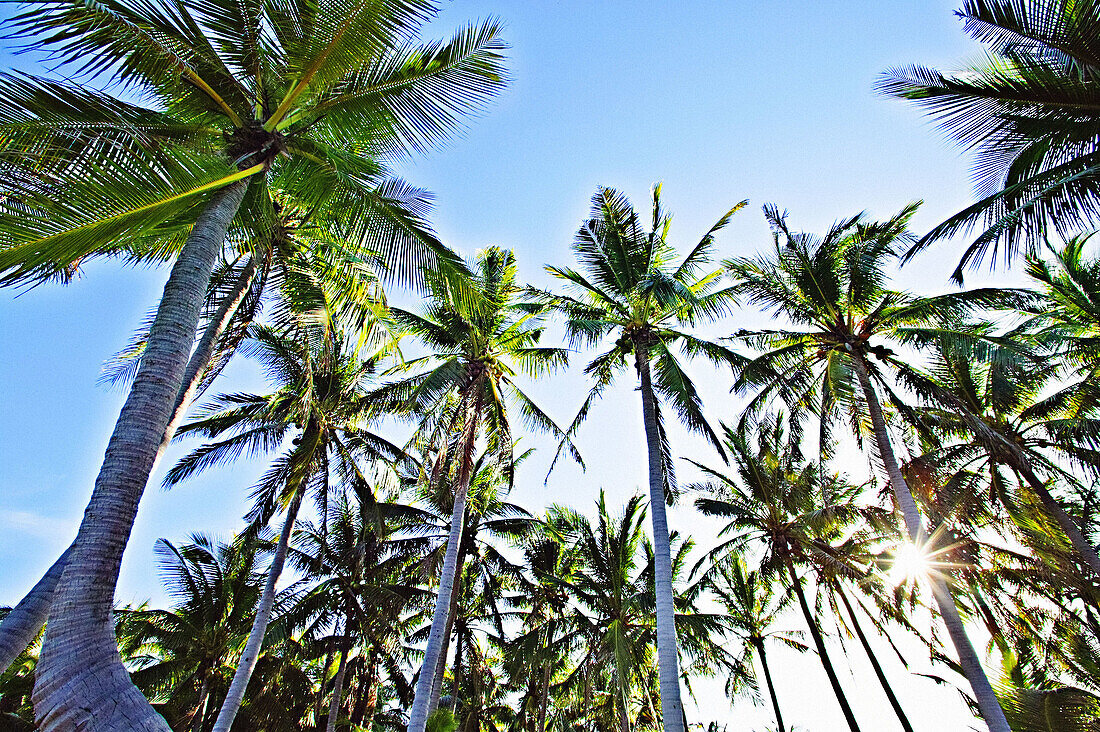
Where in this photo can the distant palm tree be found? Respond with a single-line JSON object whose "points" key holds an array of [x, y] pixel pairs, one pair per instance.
{"points": [[631, 287], [246, 93], [1032, 112], [321, 394], [467, 392], [835, 287]]}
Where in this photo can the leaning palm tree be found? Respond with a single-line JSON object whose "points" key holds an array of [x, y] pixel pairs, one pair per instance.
{"points": [[836, 287], [1030, 111], [630, 286], [321, 393], [465, 393], [248, 96]]}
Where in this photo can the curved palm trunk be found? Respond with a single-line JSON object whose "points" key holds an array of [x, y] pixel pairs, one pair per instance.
{"points": [[759, 643], [822, 653], [251, 653], [418, 715], [972, 667], [672, 709], [338, 683], [81, 682], [874, 661], [22, 624]]}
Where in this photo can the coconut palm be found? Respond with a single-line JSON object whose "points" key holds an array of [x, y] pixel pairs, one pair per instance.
{"points": [[235, 87], [1030, 112], [462, 394], [782, 503], [321, 394], [751, 607], [836, 287], [630, 286]]}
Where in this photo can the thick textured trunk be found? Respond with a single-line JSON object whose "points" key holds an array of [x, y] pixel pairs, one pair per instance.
{"points": [[418, 715], [822, 653], [81, 682], [874, 661], [972, 667], [338, 683], [254, 644], [26, 619], [759, 643], [668, 666], [1069, 526]]}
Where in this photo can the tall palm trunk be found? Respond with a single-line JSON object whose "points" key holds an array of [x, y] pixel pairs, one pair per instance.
{"points": [[672, 714], [544, 692], [1073, 532], [972, 667], [456, 674], [81, 682], [452, 614], [874, 661], [759, 643], [338, 683], [822, 653], [422, 699], [26, 619], [235, 696], [200, 709]]}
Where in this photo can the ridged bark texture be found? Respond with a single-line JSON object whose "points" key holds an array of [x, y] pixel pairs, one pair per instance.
{"points": [[771, 686], [251, 653], [81, 682], [990, 708], [882, 680], [422, 699], [668, 663], [822, 653], [22, 624]]}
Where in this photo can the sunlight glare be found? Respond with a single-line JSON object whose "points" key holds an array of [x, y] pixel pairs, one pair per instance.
{"points": [[910, 564]]}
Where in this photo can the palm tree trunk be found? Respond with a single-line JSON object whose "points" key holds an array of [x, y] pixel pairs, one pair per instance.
{"points": [[338, 683], [81, 682], [452, 614], [319, 699], [672, 716], [251, 653], [759, 643], [972, 667], [363, 713], [822, 653], [456, 676], [22, 624], [418, 715], [544, 698], [200, 709], [874, 661], [1069, 526]]}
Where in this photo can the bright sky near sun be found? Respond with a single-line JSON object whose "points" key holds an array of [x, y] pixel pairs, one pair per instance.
{"points": [[722, 101]]}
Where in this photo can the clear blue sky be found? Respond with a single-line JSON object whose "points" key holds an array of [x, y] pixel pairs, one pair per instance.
{"points": [[719, 100]]}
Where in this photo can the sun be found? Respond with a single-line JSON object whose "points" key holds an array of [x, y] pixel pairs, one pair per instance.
{"points": [[911, 563]]}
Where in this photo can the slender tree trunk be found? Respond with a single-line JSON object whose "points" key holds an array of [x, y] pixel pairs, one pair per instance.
{"points": [[874, 661], [822, 653], [972, 667], [363, 712], [456, 681], [418, 715], [1073, 532], [452, 615], [81, 682], [338, 683], [200, 710], [672, 716], [319, 699], [544, 698], [235, 696], [759, 643], [26, 619]]}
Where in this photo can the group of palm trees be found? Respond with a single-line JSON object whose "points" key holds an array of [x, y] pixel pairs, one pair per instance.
{"points": [[383, 580]]}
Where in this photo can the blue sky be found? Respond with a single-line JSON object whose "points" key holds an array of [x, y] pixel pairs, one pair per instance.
{"points": [[722, 101]]}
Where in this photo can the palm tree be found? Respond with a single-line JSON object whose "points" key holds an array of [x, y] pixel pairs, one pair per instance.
{"points": [[321, 392], [836, 286], [786, 505], [751, 608], [630, 286], [476, 344], [183, 655], [238, 85], [1030, 112]]}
